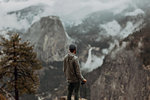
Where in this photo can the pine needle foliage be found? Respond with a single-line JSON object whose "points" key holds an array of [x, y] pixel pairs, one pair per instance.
{"points": [[18, 66]]}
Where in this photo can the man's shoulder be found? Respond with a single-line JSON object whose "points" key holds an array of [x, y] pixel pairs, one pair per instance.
{"points": [[65, 56], [75, 57]]}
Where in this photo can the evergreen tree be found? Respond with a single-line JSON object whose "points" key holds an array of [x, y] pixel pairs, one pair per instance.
{"points": [[18, 67]]}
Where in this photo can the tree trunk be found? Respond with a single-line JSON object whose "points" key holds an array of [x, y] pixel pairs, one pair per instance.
{"points": [[16, 89], [15, 74]]}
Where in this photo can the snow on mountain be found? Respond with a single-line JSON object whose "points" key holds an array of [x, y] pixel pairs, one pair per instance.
{"points": [[130, 28], [135, 12], [112, 28]]}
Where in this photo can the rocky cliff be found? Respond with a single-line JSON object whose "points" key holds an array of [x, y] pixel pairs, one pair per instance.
{"points": [[125, 73], [49, 38], [122, 78]]}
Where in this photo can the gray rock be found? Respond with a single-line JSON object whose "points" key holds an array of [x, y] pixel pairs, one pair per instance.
{"points": [[48, 37], [121, 78]]}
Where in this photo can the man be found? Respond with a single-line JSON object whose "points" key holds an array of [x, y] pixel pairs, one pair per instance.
{"points": [[72, 72]]}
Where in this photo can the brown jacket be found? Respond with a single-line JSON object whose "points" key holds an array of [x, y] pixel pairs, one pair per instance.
{"points": [[72, 74]]}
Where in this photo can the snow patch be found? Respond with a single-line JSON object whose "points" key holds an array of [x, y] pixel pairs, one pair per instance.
{"points": [[111, 28], [130, 28], [135, 13]]}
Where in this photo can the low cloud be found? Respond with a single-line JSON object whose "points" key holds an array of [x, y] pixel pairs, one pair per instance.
{"points": [[68, 10]]}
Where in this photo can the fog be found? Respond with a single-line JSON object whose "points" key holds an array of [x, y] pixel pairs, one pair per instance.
{"points": [[71, 11]]}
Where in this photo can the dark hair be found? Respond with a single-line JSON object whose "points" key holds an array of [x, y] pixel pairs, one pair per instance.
{"points": [[72, 48]]}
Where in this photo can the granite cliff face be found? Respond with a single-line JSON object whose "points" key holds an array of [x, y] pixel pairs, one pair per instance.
{"points": [[49, 38]]}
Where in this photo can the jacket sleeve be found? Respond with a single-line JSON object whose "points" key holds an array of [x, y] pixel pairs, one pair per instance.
{"points": [[78, 72], [64, 66]]}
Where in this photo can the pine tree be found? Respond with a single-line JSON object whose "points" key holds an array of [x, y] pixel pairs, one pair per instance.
{"points": [[18, 67]]}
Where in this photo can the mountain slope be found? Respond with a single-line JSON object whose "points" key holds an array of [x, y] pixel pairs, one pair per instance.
{"points": [[125, 72]]}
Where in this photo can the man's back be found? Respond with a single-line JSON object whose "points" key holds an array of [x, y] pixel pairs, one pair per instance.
{"points": [[72, 68]]}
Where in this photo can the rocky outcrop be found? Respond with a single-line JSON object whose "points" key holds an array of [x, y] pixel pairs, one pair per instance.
{"points": [[122, 78], [125, 73], [49, 38]]}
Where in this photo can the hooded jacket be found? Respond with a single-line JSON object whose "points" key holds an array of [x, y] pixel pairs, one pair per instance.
{"points": [[71, 68]]}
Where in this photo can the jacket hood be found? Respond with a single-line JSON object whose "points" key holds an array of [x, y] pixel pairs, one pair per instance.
{"points": [[70, 56]]}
